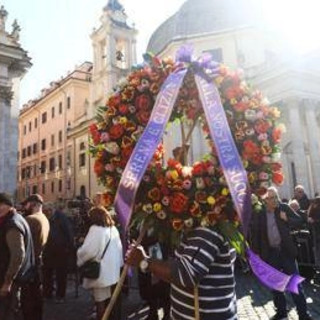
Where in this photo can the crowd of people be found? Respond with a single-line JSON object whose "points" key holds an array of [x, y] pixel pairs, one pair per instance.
{"points": [[196, 281]]}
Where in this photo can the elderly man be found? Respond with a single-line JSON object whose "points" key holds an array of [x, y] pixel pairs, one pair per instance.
{"points": [[31, 294], [301, 197], [17, 257], [271, 239]]}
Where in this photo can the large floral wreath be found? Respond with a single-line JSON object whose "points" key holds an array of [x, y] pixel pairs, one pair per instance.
{"points": [[174, 196]]}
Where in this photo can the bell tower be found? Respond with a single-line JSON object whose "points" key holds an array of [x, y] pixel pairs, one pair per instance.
{"points": [[114, 51]]}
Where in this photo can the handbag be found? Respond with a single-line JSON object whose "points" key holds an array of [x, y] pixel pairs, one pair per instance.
{"points": [[91, 268], [141, 313]]}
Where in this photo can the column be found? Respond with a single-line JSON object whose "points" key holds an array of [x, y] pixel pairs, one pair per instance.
{"points": [[5, 137], [313, 137], [296, 132]]}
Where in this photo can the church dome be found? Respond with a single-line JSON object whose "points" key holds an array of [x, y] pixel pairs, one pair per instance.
{"points": [[199, 17]]}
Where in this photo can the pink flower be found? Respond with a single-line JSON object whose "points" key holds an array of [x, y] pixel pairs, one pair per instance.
{"points": [[186, 184]]}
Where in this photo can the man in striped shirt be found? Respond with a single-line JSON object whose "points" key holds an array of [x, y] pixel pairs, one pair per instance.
{"points": [[204, 260]]}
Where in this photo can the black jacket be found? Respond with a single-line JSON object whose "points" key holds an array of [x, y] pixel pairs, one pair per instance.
{"points": [[16, 221], [259, 236]]}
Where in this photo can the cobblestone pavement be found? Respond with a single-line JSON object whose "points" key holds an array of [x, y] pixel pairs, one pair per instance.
{"points": [[254, 302]]}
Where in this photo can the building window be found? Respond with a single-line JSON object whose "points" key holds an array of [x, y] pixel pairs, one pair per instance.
{"points": [[68, 103], [82, 146], [60, 161], [51, 164], [29, 151], [43, 144], [35, 122], [60, 186], [44, 117], [52, 186], [43, 166], [43, 188], [52, 140], [23, 153], [35, 170], [82, 160], [23, 173], [30, 126], [35, 148], [52, 112], [60, 136], [216, 54], [34, 189], [24, 129], [60, 107]]}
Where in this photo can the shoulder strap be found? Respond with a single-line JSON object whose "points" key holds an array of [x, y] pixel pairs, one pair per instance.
{"points": [[107, 245]]}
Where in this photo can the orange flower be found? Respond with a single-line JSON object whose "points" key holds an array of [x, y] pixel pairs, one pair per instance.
{"points": [[154, 194], [108, 199], [178, 202], [177, 224], [276, 135], [277, 177]]}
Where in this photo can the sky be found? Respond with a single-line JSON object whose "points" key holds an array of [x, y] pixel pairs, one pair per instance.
{"points": [[56, 33]]}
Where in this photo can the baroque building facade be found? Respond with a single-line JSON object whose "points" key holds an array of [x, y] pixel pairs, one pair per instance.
{"points": [[53, 129], [14, 63], [237, 37]]}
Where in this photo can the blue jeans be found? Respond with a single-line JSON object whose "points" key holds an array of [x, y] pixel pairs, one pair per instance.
{"points": [[288, 265]]}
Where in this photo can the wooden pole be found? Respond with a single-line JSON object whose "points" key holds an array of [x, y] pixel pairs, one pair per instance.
{"points": [[196, 303], [123, 277]]}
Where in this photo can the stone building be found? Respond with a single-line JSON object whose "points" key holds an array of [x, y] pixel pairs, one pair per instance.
{"points": [[14, 62], [54, 136], [48, 158], [233, 32]]}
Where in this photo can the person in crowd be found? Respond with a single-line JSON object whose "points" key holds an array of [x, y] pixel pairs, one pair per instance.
{"points": [[271, 239], [57, 254], [31, 294], [314, 220], [203, 263], [301, 197], [154, 291], [103, 237], [295, 206], [17, 256], [98, 200]]}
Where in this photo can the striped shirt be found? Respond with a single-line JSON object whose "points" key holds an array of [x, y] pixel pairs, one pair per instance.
{"points": [[204, 258]]}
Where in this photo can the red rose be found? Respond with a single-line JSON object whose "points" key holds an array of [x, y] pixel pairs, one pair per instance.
{"points": [[123, 109], [143, 102], [93, 128], [98, 168], [143, 117], [276, 166], [262, 126], [116, 131], [126, 152], [197, 169], [178, 202]]}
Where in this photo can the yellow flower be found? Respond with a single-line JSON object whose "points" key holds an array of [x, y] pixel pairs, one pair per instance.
{"points": [[157, 207], [233, 101], [225, 191], [211, 200], [123, 120], [174, 174]]}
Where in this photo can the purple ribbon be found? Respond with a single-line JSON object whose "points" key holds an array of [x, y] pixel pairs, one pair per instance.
{"points": [[146, 146], [230, 161], [271, 277]]}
